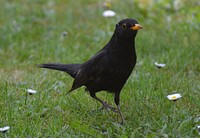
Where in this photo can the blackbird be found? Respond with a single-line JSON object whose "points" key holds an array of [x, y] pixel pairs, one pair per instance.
{"points": [[109, 68]]}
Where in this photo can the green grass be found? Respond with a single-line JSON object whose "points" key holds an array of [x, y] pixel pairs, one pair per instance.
{"points": [[30, 33]]}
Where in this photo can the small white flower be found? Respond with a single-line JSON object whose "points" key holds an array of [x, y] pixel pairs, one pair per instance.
{"points": [[198, 128], [64, 34], [30, 91], [4, 129], [174, 97], [159, 65], [108, 13]]}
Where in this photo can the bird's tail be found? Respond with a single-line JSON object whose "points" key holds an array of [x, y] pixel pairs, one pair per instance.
{"points": [[71, 69]]}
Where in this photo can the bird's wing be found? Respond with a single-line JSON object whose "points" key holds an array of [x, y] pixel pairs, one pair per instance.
{"points": [[90, 69]]}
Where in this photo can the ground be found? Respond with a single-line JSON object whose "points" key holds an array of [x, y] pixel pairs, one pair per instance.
{"points": [[33, 32]]}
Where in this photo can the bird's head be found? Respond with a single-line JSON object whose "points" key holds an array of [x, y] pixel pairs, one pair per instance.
{"points": [[127, 28]]}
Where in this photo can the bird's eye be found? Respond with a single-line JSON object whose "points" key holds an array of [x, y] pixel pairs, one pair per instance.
{"points": [[124, 25]]}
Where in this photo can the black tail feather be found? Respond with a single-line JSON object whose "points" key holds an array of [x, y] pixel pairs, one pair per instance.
{"points": [[71, 69]]}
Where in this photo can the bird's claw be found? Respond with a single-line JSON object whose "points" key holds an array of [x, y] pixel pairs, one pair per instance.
{"points": [[109, 107]]}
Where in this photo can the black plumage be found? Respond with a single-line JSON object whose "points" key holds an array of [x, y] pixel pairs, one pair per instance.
{"points": [[109, 68]]}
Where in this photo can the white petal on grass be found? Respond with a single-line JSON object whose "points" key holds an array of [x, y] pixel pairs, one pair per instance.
{"points": [[30, 91], [159, 65], [109, 13], [174, 97], [4, 129]]}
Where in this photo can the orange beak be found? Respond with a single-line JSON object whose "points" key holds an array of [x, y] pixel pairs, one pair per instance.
{"points": [[136, 27]]}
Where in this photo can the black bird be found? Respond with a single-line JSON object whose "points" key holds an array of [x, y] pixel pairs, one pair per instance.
{"points": [[109, 68]]}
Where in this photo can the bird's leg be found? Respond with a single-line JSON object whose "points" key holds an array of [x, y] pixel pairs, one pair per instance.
{"points": [[93, 95], [105, 105], [118, 106], [120, 113]]}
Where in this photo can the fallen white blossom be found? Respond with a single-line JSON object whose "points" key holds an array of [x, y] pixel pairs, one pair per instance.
{"points": [[174, 97], [108, 13], [30, 91], [4, 129], [159, 65]]}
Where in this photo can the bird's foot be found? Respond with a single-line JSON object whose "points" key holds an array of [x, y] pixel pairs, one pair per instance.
{"points": [[109, 107], [122, 122]]}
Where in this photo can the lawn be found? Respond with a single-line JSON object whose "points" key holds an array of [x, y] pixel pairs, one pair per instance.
{"points": [[66, 31]]}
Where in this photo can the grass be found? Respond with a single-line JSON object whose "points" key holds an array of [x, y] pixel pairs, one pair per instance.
{"points": [[31, 33]]}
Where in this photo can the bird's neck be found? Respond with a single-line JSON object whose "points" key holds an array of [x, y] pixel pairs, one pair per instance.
{"points": [[124, 49], [123, 44]]}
